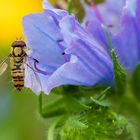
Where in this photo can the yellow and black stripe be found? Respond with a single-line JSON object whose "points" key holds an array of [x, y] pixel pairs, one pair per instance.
{"points": [[17, 58], [18, 76]]}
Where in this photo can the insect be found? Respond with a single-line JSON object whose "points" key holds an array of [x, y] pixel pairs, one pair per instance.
{"points": [[18, 58]]}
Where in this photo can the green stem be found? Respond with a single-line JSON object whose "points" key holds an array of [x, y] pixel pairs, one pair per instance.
{"points": [[40, 104], [69, 8], [51, 130]]}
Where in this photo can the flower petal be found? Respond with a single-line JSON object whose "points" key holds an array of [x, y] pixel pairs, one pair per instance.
{"points": [[42, 37], [74, 74], [126, 41], [57, 12], [34, 80], [90, 63], [96, 30], [93, 64], [106, 13]]}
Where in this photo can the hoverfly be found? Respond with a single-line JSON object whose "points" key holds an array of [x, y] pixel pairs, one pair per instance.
{"points": [[18, 58]]}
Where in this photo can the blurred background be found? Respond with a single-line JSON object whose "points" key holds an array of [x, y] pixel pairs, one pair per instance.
{"points": [[19, 117], [18, 111]]}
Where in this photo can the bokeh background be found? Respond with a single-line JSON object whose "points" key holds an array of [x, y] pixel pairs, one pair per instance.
{"points": [[19, 119], [19, 115]]}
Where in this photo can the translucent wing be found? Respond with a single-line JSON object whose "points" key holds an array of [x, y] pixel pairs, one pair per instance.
{"points": [[32, 79], [3, 67]]}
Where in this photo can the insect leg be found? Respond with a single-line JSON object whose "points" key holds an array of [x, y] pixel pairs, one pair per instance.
{"points": [[35, 80], [30, 67]]}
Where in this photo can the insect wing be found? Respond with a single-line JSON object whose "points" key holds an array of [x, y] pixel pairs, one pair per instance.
{"points": [[32, 79], [3, 67]]}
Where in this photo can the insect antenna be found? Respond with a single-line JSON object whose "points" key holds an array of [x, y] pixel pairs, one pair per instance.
{"points": [[21, 38], [17, 38]]}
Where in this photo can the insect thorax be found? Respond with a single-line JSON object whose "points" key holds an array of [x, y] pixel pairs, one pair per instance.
{"points": [[17, 48]]}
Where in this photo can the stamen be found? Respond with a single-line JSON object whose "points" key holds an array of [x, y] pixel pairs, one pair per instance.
{"points": [[61, 47], [110, 26], [39, 70], [63, 53], [35, 60]]}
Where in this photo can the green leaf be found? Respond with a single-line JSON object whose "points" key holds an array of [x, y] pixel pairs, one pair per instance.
{"points": [[99, 100], [100, 103], [120, 75], [96, 124], [136, 82], [73, 124], [103, 94], [119, 72]]}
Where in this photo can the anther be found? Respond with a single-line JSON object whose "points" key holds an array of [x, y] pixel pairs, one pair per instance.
{"points": [[36, 60], [63, 53], [110, 26]]}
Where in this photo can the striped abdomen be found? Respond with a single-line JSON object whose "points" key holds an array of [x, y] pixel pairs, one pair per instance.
{"points": [[18, 57], [18, 75]]}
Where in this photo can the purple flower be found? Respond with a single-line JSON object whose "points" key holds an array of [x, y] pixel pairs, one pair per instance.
{"points": [[125, 37], [62, 52], [126, 40], [107, 13], [103, 14]]}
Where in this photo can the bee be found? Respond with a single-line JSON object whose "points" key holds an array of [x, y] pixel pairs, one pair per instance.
{"points": [[18, 57]]}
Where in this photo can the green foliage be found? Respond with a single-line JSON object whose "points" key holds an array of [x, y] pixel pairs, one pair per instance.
{"points": [[57, 108], [119, 72], [120, 75], [90, 119], [70, 7], [136, 82], [63, 105], [95, 124]]}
